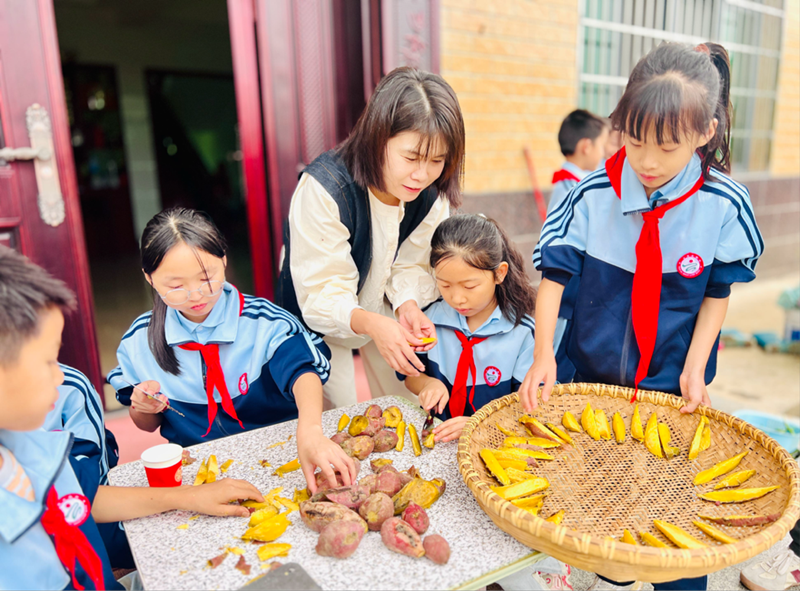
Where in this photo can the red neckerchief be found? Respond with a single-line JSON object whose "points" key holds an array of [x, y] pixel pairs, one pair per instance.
{"points": [[71, 544], [466, 365], [646, 293], [215, 377], [564, 175]]}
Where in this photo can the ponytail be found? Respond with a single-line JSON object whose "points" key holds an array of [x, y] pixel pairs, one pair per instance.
{"points": [[165, 230], [482, 243], [717, 152]]}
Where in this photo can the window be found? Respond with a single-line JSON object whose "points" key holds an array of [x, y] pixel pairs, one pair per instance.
{"points": [[615, 34]]}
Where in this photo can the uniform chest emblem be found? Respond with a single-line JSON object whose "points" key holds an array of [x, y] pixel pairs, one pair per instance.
{"points": [[76, 508], [690, 265], [244, 386], [492, 375]]}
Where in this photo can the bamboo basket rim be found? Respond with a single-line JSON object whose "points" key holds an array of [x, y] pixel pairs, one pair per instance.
{"points": [[609, 549]]}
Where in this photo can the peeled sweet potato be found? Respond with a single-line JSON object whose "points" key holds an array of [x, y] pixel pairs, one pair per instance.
{"points": [[379, 463], [374, 426], [385, 440], [388, 483], [319, 515], [436, 548], [373, 410], [339, 539], [400, 537], [393, 416], [341, 437], [369, 482], [376, 509], [416, 517], [351, 497], [359, 447]]}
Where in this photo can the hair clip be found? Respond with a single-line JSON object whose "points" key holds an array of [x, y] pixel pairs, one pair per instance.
{"points": [[703, 48]]}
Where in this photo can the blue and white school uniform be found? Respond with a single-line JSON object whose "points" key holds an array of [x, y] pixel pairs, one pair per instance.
{"points": [[492, 361], [94, 452], [564, 180], [248, 352], [28, 558], [707, 242]]}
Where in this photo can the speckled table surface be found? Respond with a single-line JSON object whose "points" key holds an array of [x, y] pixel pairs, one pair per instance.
{"points": [[171, 558]]}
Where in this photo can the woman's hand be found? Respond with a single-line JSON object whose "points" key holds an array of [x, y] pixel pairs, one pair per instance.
{"points": [[542, 370], [215, 498], [450, 429], [146, 405], [415, 322], [314, 450], [434, 394], [391, 339], [694, 392]]}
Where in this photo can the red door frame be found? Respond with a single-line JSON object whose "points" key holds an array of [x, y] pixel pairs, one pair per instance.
{"points": [[31, 73]]}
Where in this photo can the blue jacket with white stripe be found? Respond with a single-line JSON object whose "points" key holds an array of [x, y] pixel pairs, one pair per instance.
{"points": [[262, 348], [708, 242]]}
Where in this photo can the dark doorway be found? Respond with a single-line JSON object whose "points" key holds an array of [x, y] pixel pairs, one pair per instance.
{"points": [[195, 138]]}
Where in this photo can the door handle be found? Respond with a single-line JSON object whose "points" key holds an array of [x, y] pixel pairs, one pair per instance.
{"points": [[40, 132]]}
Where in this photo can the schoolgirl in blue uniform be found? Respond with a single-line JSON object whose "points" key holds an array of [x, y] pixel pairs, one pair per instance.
{"points": [[485, 344], [205, 345], [657, 237], [48, 534], [94, 452]]}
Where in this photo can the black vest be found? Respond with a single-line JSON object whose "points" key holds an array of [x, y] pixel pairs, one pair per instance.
{"points": [[354, 212]]}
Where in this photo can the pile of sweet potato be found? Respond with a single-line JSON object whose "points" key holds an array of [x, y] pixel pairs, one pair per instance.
{"points": [[370, 432], [344, 514]]}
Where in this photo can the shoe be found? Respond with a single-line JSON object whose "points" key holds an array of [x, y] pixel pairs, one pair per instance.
{"points": [[553, 581], [548, 574], [603, 585], [775, 573]]}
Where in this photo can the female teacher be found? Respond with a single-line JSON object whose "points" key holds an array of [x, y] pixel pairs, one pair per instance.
{"points": [[360, 224]]}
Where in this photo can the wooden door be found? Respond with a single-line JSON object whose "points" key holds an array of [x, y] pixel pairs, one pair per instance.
{"points": [[48, 231]]}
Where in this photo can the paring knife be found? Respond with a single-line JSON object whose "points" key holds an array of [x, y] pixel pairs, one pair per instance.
{"points": [[151, 397]]}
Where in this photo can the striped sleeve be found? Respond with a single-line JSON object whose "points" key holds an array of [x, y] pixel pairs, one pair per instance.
{"points": [[126, 370]]}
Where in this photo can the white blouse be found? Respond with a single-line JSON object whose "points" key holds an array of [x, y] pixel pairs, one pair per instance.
{"points": [[324, 272]]}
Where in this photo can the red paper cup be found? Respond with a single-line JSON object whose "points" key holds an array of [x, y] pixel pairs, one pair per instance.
{"points": [[163, 465]]}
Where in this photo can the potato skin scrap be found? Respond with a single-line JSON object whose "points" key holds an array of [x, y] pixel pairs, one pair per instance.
{"points": [[400, 537], [217, 560], [242, 566], [742, 520], [340, 539]]}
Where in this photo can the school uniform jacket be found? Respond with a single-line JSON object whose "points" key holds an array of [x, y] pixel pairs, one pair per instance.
{"points": [[501, 361], [94, 450], [262, 348], [708, 242], [28, 559]]}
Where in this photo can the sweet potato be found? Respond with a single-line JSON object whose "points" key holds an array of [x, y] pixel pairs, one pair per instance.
{"points": [[339, 539], [375, 510], [351, 497], [374, 426], [387, 467], [374, 411], [323, 484], [436, 548], [341, 437], [416, 517], [405, 478], [319, 515], [388, 483], [379, 463], [400, 537], [359, 447], [385, 440], [393, 416], [369, 482]]}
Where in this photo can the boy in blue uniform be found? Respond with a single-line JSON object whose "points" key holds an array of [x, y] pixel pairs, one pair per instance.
{"points": [[48, 535], [582, 138], [94, 452], [657, 237], [206, 345]]}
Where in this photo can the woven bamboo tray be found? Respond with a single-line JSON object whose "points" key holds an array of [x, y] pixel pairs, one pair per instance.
{"points": [[605, 487]]}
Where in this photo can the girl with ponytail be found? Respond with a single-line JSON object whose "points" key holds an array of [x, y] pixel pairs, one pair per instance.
{"points": [[482, 322], [656, 237], [206, 345]]}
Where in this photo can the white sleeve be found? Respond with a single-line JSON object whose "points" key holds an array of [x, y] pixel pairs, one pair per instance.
{"points": [[324, 274], [411, 277]]}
